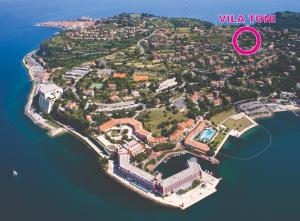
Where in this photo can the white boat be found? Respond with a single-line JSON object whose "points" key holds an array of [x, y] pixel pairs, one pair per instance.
{"points": [[15, 173]]}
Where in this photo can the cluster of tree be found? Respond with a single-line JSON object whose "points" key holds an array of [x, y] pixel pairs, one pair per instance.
{"points": [[163, 147], [103, 163], [150, 102], [165, 132], [284, 20], [142, 156], [69, 95], [194, 111], [100, 118], [76, 120], [123, 114], [109, 139], [191, 88], [164, 98], [57, 76], [195, 183], [188, 22], [240, 94], [150, 162]]}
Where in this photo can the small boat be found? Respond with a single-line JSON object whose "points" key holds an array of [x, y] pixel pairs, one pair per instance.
{"points": [[15, 173]]}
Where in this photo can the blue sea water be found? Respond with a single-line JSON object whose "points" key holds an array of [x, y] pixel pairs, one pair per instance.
{"points": [[59, 179]]}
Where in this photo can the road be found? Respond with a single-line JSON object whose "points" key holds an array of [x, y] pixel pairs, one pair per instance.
{"points": [[143, 39]]}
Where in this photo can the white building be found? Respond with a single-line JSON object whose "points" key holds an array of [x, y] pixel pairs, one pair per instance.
{"points": [[47, 96], [124, 105], [166, 84], [76, 73]]}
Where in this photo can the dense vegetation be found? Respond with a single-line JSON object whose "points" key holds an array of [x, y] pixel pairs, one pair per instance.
{"points": [[163, 147], [285, 20]]}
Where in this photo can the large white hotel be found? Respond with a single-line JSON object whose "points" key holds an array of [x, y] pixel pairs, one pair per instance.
{"points": [[48, 94]]}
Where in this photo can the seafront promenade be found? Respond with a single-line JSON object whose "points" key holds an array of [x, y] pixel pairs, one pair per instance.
{"points": [[37, 118], [29, 110]]}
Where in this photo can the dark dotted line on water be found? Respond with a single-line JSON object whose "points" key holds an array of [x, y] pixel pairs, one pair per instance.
{"points": [[255, 155]]}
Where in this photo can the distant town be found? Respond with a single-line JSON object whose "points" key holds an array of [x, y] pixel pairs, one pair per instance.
{"points": [[139, 89]]}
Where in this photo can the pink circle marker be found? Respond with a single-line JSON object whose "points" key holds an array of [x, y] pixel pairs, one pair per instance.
{"points": [[236, 36]]}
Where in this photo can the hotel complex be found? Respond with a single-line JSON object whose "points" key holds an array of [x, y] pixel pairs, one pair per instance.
{"points": [[187, 132], [177, 136], [145, 135], [151, 183]]}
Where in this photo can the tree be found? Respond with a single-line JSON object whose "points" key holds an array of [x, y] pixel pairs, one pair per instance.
{"points": [[103, 163]]}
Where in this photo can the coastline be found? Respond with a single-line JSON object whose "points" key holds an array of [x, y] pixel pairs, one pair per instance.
{"points": [[288, 108], [36, 118], [176, 201], [236, 133], [41, 122], [283, 108]]}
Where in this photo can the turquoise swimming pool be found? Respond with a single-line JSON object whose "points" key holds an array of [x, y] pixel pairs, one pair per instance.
{"points": [[206, 135]]}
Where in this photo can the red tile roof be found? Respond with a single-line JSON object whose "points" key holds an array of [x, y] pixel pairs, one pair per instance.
{"points": [[189, 140]]}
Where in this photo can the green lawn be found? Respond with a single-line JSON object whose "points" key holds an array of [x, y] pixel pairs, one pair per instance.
{"points": [[183, 29], [218, 118], [217, 140], [96, 85], [238, 125], [159, 115]]}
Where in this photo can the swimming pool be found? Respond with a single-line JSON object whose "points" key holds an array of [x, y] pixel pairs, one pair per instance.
{"points": [[206, 135]]}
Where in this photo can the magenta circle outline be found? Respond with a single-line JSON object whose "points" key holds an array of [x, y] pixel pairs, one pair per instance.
{"points": [[237, 34]]}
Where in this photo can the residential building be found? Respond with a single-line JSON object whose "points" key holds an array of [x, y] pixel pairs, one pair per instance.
{"points": [[166, 84]]}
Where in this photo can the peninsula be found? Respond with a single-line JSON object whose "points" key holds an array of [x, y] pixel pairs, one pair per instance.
{"points": [[139, 89]]}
